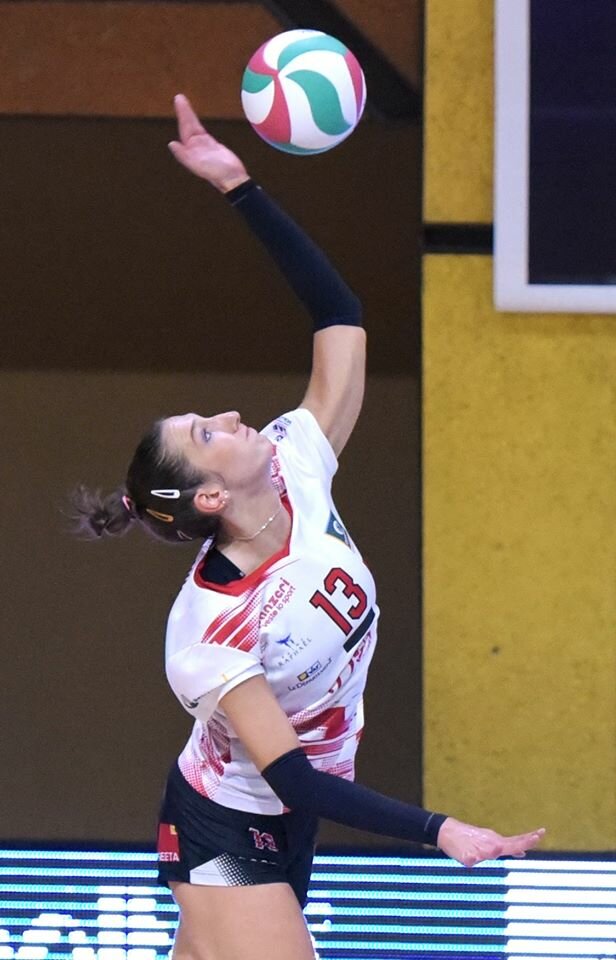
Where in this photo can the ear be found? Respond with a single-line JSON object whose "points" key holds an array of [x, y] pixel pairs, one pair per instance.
{"points": [[211, 498]]}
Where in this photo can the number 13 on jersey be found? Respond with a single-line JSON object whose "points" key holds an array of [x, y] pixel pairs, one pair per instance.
{"points": [[338, 581]]}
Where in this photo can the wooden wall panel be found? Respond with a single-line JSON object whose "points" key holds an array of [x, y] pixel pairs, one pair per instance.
{"points": [[394, 26], [120, 259], [125, 59]]}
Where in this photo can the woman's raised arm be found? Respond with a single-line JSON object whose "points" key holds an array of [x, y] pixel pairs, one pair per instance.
{"points": [[336, 387]]}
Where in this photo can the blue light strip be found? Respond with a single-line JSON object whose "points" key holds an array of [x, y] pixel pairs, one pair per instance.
{"points": [[360, 907], [387, 878], [356, 893], [75, 856]]}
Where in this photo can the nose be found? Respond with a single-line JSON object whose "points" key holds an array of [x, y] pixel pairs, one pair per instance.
{"points": [[231, 420]]}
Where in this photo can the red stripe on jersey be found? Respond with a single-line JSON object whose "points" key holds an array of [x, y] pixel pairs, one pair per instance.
{"points": [[345, 769], [332, 722], [218, 621], [246, 638], [323, 747], [222, 626], [277, 477], [220, 739], [224, 633], [214, 762]]}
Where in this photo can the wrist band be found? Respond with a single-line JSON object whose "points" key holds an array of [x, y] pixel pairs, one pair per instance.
{"points": [[234, 196]]}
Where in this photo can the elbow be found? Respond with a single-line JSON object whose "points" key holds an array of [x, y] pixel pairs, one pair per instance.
{"points": [[290, 778]]}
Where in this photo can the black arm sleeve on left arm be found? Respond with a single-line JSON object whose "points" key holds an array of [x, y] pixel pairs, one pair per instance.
{"points": [[301, 787]]}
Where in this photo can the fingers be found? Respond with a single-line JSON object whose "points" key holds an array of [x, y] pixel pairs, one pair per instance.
{"points": [[491, 846], [188, 121], [178, 150], [517, 846]]}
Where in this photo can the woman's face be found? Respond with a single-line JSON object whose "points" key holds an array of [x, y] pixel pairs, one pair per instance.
{"points": [[221, 444]]}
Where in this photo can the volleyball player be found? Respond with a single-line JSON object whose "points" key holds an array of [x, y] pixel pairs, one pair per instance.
{"points": [[270, 638]]}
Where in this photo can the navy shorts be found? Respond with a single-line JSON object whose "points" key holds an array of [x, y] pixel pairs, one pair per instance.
{"points": [[202, 842]]}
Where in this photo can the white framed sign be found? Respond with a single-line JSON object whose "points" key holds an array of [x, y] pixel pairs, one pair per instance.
{"points": [[555, 156]]}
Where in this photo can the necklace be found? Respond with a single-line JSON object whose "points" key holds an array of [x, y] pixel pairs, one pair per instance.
{"points": [[265, 525]]}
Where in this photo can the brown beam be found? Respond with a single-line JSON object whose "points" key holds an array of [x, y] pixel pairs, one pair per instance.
{"points": [[395, 27], [389, 92], [126, 59]]}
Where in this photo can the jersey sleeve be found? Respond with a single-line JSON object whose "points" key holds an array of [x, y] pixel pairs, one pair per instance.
{"points": [[299, 437], [201, 674]]}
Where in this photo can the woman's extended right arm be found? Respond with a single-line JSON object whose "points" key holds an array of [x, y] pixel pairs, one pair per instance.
{"points": [[274, 748], [336, 388]]}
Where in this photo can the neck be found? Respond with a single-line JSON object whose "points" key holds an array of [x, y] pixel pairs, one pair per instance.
{"points": [[259, 521], [263, 527]]}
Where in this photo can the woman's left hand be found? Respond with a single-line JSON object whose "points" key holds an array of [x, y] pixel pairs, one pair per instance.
{"points": [[470, 845], [201, 153]]}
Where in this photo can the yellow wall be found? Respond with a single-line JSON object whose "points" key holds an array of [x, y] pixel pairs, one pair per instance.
{"points": [[519, 507], [458, 111]]}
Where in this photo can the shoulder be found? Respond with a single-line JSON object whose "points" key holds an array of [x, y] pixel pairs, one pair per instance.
{"points": [[297, 435]]}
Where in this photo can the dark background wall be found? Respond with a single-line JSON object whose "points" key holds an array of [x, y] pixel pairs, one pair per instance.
{"points": [[130, 291]]}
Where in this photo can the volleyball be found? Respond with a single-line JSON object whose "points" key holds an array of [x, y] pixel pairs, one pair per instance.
{"points": [[303, 92]]}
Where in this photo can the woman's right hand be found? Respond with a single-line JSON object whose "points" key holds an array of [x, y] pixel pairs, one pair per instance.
{"points": [[201, 153]]}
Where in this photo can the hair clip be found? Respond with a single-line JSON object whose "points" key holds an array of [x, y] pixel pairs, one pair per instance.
{"points": [[129, 503], [166, 494], [165, 517]]}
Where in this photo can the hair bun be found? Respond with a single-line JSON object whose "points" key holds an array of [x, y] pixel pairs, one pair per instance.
{"points": [[94, 515]]}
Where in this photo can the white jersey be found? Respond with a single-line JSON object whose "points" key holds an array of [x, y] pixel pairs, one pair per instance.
{"points": [[306, 620]]}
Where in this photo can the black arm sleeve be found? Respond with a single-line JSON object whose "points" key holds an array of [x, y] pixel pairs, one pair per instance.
{"points": [[301, 787], [311, 276]]}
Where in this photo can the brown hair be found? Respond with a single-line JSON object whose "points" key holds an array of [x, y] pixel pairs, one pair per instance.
{"points": [[158, 494]]}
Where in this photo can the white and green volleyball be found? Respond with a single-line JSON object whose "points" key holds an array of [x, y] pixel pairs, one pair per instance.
{"points": [[303, 91]]}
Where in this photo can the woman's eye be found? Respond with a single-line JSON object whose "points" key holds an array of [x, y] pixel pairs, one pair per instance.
{"points": [[207, 436]]}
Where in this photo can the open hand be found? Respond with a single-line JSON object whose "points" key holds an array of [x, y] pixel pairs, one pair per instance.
{"points": [[470, 845], [201, 153]]}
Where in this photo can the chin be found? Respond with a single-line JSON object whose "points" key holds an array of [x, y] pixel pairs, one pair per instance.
{"points": [[265, 450]]}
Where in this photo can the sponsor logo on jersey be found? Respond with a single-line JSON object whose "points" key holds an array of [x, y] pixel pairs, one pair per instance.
{"points": [[168, 845], [336, 529], [275, 602], [280, 431], [291, 648], [191, 704], [287, 641], [307, 676], [263, 841]]}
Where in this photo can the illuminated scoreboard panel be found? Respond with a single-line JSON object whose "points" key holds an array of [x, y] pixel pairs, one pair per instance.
{"points": [[95, 905]]}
